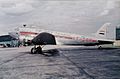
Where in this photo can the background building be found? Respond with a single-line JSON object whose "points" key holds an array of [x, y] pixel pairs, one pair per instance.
{"points": [[8, 41], [118, 33], [117, 42]]}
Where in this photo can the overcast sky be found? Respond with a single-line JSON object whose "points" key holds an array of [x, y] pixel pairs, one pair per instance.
{"points": [[79, 16]]}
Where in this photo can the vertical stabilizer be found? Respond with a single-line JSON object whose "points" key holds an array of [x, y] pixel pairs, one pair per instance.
{"points": [[103, 30]]}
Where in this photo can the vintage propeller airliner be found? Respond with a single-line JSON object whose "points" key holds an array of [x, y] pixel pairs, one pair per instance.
{"points": [[54, 38]]}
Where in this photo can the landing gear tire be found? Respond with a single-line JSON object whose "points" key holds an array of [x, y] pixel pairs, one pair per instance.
{"points": [[39, 50], [36, 50], [100, 47], [33, 51]]}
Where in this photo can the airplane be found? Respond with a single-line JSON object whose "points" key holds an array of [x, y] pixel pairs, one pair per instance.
{"points": [[54, 38]]}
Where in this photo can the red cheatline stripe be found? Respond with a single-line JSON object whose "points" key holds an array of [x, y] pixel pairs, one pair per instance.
{"points": [[81, 39], [28, 33]]}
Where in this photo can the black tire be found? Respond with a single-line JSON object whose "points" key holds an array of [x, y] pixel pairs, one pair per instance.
{"points": [[39, 50], [33, 51], [100, 47]]}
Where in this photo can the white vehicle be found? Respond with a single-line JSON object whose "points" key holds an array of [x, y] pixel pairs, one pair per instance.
{"points": [[51, 37]]}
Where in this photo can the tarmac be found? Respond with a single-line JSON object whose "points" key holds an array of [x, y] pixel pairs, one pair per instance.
{"points": [[60, 63]]}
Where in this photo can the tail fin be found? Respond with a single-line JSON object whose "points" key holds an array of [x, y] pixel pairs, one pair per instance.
{"points": [[103, 30]]}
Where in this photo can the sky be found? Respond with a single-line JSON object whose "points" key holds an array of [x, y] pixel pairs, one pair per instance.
{"points": [[79, 16]]}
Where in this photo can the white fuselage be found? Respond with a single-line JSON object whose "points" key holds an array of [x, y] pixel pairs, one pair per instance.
{"points": [[60, 37], [73, 39]]}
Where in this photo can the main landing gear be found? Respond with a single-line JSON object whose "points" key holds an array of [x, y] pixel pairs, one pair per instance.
{"points": [[36, 50], [100, 47]]}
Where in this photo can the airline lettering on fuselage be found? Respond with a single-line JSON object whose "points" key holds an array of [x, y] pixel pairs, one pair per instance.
{"points": [[81, 38]]}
